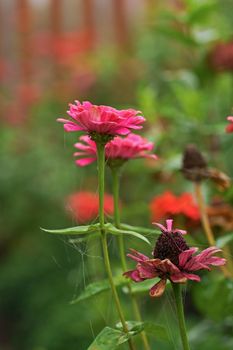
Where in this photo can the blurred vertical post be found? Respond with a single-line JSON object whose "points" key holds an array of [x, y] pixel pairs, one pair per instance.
{"points": [[89, 22], [120, 20], [25, 46], [56, 31]]}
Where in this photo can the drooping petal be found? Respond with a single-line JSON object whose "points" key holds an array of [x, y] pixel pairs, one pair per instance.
{"points": [[85, 161], [178, 278], [158, 289], [162, 228], [192, 277], [137, 256], [167, 267], [185, 255], [134, 275]]}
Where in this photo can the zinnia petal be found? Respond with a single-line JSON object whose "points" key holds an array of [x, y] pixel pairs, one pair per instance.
{"points": [[158, 289]]}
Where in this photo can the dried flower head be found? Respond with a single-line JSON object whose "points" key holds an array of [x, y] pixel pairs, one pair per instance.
{"points": [[173, 260], [194, 164], [195, 169]]}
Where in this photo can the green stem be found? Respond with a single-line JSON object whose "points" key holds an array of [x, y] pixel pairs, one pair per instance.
{"points": [[180, 313], [101, 173], [117, 221]]}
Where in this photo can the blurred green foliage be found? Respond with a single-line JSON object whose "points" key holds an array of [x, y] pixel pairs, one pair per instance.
{"points": [[185, 101]]}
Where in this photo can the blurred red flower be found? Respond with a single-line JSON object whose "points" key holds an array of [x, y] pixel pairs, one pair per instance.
{"points": [[221, 57], [167, 204], [229, 127], [84, 206]]}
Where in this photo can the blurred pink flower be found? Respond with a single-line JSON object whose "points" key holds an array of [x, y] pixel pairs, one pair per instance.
{"points": [[130, 147], [173, 260], [229, 127], [102, 120]]}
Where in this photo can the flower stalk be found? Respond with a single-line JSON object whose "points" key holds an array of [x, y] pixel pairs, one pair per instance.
{"points": [[101, 176], [206, 224], [117, 221], [177, 289]]}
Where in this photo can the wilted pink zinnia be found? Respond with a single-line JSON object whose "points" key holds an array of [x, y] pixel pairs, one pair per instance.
{"points": [[102, 120], [173, 260], [229, 127], [130, 147]]}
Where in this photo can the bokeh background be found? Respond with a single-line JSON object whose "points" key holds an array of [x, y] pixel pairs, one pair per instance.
{"points": [[171, 59]]}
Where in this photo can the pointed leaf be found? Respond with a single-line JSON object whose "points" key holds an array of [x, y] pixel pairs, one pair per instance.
{"points": [[152, 328], [98, 287], [108, 339], [222, 241], [77, 230], [84, 238], [143, 230], [115, 231]]}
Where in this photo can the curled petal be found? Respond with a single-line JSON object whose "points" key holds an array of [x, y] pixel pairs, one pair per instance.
{"points": [[134, 275], [162, 228], [182, 232], [137, 256], [158, 289], [191, 277], [178, 278], [185, 255], [167, 267]]}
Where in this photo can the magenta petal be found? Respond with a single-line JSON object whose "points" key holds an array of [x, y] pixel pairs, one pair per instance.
{"points": [[185, 255], [158, 289], [162, 228], [85, 161], [178, 278], [134, 275], [191, 276], [137, 256], [122, 131], [69, 127]]}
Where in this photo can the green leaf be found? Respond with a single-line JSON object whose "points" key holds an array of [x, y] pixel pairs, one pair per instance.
{"points": [[108, 339], [143, 230], [98, 287], [222, 241], [77, 230], [86, 237], [115, 231], [151, 328]]}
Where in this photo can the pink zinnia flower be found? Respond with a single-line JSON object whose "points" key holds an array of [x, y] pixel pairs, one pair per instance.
{"points": [[229, 127], [122, 149], [102, 120], [84, 206], [173, 260]]}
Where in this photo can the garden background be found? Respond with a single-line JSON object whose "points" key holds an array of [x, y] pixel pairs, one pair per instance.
{"points": [[173, 60]]}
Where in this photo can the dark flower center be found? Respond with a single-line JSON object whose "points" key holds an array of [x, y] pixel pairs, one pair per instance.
{"points": [[169, 246]]}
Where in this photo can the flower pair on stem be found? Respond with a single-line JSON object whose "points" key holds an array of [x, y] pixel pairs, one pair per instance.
{"points": [[172, 258]]}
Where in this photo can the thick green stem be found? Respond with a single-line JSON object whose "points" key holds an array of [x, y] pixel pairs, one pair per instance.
{"points": [[101, 173], [117, 221], [180, 314]]}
